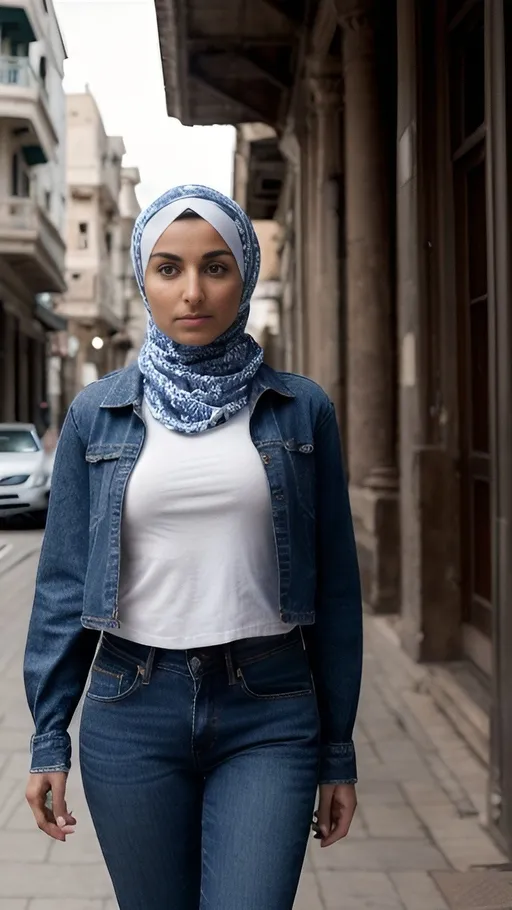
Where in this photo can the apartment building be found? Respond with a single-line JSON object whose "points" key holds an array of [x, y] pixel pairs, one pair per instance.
{"points": [[101, 208], [32, 199], [135, 316]]}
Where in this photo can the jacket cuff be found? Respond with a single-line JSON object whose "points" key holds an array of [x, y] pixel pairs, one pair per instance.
{"points": [[338, 764], [50, 752]]}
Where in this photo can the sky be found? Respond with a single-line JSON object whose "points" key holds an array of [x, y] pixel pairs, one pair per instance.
{"points": [[113, 48]]}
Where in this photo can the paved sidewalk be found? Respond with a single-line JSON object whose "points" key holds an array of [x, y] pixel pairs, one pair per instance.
{"points": [[421, 794]]}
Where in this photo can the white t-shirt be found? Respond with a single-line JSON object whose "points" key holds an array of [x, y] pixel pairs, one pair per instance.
{"points": [[198, 556]]}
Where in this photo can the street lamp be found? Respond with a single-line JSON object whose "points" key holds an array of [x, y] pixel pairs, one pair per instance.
{"points": [[97, 343]]}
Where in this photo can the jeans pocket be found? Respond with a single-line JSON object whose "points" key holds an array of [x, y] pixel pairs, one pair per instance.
{"points": [[113, 677], [283, 673]]}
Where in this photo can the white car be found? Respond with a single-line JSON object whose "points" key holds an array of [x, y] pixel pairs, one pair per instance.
{"points": [[25, 470]]}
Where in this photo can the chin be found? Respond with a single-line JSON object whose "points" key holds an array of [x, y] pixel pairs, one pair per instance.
{"points": [[194, 338]]}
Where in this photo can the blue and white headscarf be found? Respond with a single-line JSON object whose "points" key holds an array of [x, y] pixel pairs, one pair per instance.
{"points": [[193, 388]]}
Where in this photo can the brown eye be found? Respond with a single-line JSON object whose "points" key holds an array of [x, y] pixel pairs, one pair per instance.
{"points": [[167, 271], [215, 268]]}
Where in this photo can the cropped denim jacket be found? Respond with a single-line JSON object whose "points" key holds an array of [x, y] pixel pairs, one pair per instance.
{"points": [[294, 429]]}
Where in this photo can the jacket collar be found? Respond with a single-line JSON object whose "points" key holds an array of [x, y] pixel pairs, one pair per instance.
{"points": [[127, 387]]}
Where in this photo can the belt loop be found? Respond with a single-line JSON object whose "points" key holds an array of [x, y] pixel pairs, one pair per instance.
{"points": [[228, 655], [148, 667]]}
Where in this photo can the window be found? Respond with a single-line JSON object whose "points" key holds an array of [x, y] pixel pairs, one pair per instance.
{"points": [[43, 70], [108, 242], [17, 441], [20, 177], [83, 235], [76, 276], [47, 200]]}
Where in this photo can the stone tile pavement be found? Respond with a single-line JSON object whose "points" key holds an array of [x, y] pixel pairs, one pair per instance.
{"points": [[421, 792]]}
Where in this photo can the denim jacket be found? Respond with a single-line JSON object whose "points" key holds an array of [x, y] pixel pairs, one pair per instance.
{"points": [[294, 428]]}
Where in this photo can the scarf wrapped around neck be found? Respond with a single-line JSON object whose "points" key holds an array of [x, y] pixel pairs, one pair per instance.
{"points": [[194, 388]]}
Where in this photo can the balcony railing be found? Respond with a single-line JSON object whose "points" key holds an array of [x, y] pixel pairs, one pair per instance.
{"points": [[18, 213], [23, 222], [18, 71]]}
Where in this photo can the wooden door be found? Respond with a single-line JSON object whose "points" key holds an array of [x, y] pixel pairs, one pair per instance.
{"points": [[469, 163]]}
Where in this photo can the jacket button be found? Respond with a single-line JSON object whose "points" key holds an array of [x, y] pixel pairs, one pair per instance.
{"points": [[266, 458], [306, 449]]}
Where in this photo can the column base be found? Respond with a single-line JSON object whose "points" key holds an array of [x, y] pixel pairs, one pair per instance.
{"points": [[377, 529]]}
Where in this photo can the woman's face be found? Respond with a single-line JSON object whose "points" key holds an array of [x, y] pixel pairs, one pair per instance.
{"points": [[192, 283]]}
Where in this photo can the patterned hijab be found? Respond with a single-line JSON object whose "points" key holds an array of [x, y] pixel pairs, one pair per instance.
{"points": [[192, 388]]}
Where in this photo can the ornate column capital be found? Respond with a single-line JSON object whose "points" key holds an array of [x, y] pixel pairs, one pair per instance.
{"points": [[326, 87]]}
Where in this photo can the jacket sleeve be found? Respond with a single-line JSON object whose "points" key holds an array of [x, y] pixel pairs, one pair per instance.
{"points": [[335, 641], [59, 651]]}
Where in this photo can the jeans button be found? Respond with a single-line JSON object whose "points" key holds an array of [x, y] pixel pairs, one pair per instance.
{"points": [[265, 458]]}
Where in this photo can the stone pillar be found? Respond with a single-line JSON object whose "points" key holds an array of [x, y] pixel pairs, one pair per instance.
{"points": [[312, 340], [326, 304], [372, 457], [370, 370]]}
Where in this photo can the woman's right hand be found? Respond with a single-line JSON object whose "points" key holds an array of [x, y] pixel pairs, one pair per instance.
{"points": [[55, 821]]}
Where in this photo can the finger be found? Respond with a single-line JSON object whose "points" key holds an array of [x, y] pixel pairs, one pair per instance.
{"points": [[45, 820], [324, 810], [340, 825], [60, 810], [64, 820]]}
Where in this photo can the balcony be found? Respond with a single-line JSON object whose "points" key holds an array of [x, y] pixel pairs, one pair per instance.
{"points": [[90, 298], [24, 100], [103, 176], [32, 245]]}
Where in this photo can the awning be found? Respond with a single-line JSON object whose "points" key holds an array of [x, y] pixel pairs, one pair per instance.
{"points": [[33, 154], [231, 64], [18, 24], [51, 321]]}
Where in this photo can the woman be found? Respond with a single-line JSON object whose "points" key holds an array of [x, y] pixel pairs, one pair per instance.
{"points": [[199, 530]]}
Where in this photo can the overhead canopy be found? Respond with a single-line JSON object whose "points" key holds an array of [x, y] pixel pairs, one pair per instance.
{"points": [[51, 320], [231, 61], [15, 23]]}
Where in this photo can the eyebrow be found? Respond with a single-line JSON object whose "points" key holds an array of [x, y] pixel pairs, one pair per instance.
{"points": [[172, 257]]}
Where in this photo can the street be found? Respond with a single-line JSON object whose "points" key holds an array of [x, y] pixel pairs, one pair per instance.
{"points": [[421, 791]]}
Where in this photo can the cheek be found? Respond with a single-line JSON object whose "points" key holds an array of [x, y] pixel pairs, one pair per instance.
{"points": [[228, 302], [159, 296]]}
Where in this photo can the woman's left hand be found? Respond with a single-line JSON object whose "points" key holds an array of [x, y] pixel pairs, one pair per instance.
{"points": [[335, 812]]}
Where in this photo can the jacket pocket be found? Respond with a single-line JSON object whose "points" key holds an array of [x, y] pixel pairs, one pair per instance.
{"points": [[113, 677], [301, 457], [283, 673], [103, 461]]}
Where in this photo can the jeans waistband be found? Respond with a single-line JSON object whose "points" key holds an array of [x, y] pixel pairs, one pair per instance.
{"points": [[205, 659]]}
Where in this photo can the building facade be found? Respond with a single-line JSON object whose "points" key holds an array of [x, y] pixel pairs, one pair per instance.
{"points": [[99, 302], [134, 313], [266, 307], [32, 200], [388, 168]]}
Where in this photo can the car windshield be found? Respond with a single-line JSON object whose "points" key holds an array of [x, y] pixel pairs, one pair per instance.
{"points": [[17, 441]]}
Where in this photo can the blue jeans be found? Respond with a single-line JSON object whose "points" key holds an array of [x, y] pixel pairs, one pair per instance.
{"points": [[200, 770]]}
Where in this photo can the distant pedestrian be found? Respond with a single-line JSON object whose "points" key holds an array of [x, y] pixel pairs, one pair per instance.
{"points": [[199, 554]]}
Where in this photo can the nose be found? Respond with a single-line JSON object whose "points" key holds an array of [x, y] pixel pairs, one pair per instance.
{"points": [[193, 291]]}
